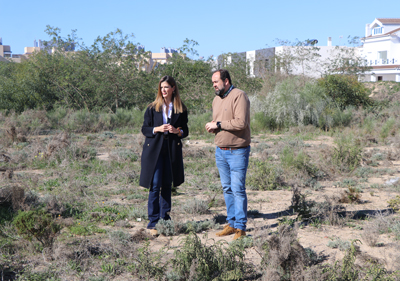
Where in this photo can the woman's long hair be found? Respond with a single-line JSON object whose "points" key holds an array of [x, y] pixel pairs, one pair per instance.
{"points": [[179, 107]]}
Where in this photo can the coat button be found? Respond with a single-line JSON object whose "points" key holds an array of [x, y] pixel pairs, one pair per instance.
{"points": [[179, 143], [148, 144]]}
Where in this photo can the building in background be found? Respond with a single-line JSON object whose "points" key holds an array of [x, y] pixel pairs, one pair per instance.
{"points": [[305, 58], [382, 49], [5, 50], [156, 59]]}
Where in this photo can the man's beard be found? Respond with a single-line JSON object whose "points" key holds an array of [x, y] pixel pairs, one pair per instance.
{"points": [[220, 92]]}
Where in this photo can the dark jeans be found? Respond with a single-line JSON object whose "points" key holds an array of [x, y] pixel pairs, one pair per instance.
{"points": [[160, 207]]}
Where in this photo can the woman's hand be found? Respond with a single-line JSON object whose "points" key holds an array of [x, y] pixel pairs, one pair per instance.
{"points": [[162, 129], [173, 130]]}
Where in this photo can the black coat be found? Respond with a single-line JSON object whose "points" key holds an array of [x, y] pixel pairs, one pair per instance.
{"points": [[153, 144]]}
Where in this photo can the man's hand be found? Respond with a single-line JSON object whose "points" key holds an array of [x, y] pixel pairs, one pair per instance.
{"points": [[211, 127]]}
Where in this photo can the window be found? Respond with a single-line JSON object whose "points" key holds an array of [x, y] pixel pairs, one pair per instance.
{"points": [[382, 57], [378, 30]]}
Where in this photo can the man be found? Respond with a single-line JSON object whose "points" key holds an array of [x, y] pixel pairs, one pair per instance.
{"points": [[231, 126]]}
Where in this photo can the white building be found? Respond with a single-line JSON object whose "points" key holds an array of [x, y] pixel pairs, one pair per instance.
{"points": [[303, 59], [382, 49]]}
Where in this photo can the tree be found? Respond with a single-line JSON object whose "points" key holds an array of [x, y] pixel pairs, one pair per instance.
{"points": [[299, 57], [239, 70], [346, 60], [192, 76]]}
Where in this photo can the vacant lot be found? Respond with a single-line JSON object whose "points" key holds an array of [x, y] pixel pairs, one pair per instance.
{"points": [[322, 205]]}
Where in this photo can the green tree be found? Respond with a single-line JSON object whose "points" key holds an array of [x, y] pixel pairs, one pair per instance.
{"points": [[345, 90], [239, 70], [193, 77]]}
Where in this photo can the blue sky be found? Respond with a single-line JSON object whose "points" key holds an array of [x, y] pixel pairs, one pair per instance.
{"points": [[218, 26]]}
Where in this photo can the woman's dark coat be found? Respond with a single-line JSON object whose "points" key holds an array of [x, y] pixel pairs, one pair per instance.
{"points": [[153, 144]]}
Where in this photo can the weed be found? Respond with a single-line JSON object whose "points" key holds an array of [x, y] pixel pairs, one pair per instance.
{"points": [[347, 270], [339, 244], [263, 176], [284, 256], [85, 230], [167, 227], [137, 196], [138, 213], [149, 263], [195, 261], [394, 203], [195, 207], [351, 195], [287, 221], [370, 234], [170, 227], [388, 128], [347, 154]]}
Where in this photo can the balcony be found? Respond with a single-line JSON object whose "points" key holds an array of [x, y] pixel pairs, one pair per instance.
{"points": [[382, 62]]}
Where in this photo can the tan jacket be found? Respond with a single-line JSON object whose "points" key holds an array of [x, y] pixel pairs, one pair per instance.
{"points": [[233, 112]]}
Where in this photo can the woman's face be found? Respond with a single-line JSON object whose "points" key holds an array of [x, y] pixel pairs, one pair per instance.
{"points": [[166, 91]]}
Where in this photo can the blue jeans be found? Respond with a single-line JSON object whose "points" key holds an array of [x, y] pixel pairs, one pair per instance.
{"points": [[232, 166], [160, 207]]}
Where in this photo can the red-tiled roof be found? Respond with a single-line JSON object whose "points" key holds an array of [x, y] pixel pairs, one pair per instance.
{"points": [[393, 31], [389, 21], [389, 66]]}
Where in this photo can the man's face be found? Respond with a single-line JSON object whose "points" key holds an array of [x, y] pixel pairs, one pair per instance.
{"points": [[220, 86]]}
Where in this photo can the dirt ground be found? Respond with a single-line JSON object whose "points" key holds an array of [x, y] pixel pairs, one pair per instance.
{"points": [[274, 205]]}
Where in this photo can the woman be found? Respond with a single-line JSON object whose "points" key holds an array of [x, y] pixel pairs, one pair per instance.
{"points": [[164, 125]]}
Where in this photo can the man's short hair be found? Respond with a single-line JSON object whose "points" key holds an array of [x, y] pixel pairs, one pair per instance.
{"points": [[224, 74]]}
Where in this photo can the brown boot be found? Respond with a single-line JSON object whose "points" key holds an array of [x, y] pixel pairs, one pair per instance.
{"points": [[239, 233], [226, 231], [153, 232]]}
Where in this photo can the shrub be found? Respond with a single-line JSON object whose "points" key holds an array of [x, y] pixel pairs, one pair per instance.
{"points": [[345, 90], [197, 122], [37, 224], [263, 175], [195, 261], [284, 256], [299, 161], [170, 227], [149, 264], [370, 234], [388, 128], [339, 244], [291, 103], [85, 230], [262, 121], [351, 195], [394, 203], [195, 206], [347, 154]]}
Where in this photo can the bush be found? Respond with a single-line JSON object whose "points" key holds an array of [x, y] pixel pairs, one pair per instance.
{"points": [[170, 227], [37, 224], [195, 261], [294, 103], [197, 122], [347, 154], [345, 90], [195, 207], [263, 175]]}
